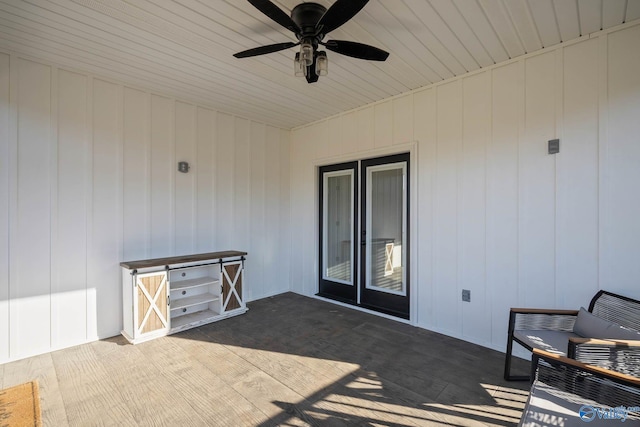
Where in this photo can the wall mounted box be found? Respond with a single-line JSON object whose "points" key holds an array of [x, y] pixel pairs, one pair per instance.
{"points": [[163, 296]]}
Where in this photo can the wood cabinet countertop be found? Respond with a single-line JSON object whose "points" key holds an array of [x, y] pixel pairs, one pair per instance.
{"points": [[180, 259]]}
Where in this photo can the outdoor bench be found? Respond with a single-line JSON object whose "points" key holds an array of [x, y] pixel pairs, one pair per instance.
{"points": [[569, 393], [606, 335]]}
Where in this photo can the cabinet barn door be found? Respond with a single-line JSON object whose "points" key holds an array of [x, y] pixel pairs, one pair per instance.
{"points": [[152, 302], [232, 286]]}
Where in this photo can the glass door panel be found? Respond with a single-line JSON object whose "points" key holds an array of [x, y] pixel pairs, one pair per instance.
{"points": [[338, 227], [384, 281], [338, 214], [385, 215]]}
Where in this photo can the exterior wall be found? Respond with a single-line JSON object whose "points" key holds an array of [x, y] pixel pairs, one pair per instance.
{"points": [[496, 214], [88, 178]]}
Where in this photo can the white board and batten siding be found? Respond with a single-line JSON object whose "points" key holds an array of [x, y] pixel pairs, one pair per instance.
{"points": [[620, 203], [6, 157], [88, 178], [496, 214]]}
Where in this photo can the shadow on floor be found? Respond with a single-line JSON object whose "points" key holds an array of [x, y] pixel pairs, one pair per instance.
{"points": [[353, 368]]}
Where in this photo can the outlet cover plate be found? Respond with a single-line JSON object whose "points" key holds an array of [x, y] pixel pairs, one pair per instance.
{"points": [[466, 295]]}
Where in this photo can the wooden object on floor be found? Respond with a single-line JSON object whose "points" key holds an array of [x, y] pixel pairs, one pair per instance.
{"points": [[167, 295], [20, 406]]}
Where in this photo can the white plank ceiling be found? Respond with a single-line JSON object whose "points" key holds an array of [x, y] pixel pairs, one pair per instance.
{"points": [[184, 48]]}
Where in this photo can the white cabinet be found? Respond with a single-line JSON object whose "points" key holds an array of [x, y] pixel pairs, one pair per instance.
{"points": [[167, 295]]}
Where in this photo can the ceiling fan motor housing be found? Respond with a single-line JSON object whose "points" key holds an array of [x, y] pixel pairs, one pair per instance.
{"points": [[306, 16]]}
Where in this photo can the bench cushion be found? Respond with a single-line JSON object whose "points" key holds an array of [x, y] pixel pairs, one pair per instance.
{"points": [[552, 341], [590, 326]]}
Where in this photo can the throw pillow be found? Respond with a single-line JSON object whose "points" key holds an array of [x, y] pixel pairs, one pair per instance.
{"points": [[589, 326]]}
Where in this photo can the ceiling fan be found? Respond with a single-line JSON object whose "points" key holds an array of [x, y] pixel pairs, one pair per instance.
{"points": [[311, 22]]}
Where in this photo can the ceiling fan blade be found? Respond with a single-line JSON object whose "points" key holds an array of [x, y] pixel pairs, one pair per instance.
{"points": [[276, 14], [339, 13], [262, 50], [357, 50]]}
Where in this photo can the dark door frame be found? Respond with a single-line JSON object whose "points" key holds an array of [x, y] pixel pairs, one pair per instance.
{"points": [[326, 288], [399, 307], [395, 305]]}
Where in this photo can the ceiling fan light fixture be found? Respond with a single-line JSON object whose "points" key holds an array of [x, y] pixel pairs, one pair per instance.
{"points": [[322, 64], [306, 53], [299, 69]]}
